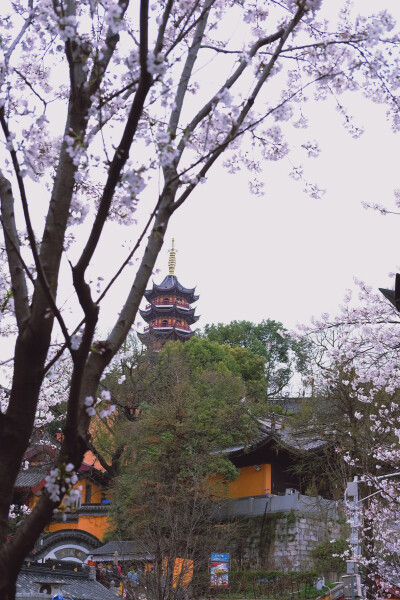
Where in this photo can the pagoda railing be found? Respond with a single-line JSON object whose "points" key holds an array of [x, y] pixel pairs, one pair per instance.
{"points": [[170, 326], [159, 302]]}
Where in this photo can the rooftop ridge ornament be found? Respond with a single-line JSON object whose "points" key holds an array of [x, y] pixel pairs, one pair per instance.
{"points": [[172, 259]]}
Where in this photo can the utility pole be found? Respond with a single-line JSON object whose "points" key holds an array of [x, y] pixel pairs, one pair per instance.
{"points": [[352, 581]]}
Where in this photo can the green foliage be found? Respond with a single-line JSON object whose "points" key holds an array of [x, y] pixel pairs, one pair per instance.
{"points": [[271, 584], [195, 405], [269, 340], [327, 556], [268, 525], [291, 519], [139, 379]]}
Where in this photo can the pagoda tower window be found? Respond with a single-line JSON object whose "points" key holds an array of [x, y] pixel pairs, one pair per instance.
{"points": [[164, 323], [166, 301]]}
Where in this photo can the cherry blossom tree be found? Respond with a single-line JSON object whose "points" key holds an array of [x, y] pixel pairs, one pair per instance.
{"points": [[356, 381], [112, 112]]}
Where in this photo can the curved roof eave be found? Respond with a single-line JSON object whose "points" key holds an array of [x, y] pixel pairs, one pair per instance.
{"points": [[170, 283], [166, 309]]}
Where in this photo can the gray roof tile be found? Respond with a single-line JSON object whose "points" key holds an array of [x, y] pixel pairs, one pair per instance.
{"points": [[76, 585], [28, 478]]}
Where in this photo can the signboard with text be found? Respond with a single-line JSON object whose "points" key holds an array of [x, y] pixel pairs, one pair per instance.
{"points": [[68, 553], [219, 569]]}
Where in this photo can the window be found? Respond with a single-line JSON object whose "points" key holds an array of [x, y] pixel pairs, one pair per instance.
{"points": [[88, 493]]}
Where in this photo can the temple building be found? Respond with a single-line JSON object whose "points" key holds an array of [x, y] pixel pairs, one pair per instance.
{"points": [[169, 313], [72, 536]]}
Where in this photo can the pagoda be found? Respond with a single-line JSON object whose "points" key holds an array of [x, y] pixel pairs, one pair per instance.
{"points": [[169, 313]]}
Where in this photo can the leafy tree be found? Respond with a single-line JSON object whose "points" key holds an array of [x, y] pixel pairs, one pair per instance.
{"points": [[96, 104], [134, 383], [269, 339], [173, 469]]}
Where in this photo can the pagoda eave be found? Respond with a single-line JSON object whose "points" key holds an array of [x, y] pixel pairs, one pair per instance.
{"points": [[172, 334], [188, 295], [164, 309], [171, 285]]}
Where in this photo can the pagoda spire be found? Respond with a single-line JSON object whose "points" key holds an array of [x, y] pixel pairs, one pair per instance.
{"points": [[172, 258]]}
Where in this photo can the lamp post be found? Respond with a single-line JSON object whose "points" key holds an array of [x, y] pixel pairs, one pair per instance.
{"points": [[352, 501]]}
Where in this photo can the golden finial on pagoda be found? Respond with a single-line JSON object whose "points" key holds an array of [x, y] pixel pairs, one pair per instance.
{"points": [[172, 259]]}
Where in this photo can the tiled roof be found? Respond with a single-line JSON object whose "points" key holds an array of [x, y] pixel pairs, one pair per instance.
{"points": [[294, 439], [29, 478], [169, 283], [278, 428], [77, 585], [127, 550]]}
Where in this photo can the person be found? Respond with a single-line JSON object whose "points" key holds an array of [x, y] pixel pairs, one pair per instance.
{"points": [[102, 575], [133, 581]]}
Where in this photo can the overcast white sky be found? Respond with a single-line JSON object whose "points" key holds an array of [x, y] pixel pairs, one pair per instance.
{"points": [[285, 256]]}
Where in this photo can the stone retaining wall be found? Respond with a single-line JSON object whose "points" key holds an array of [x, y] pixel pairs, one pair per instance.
{"points": [[284, 539]]}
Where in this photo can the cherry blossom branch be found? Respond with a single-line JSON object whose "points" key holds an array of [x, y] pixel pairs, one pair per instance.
{"points": [[100, 66], [20, 74], [229, 139], [19, 286], [20, 35], [377, 74], [185, 30], [235, 129], [188, 68], [41, 274], [109, 285], [121, 155], [227, 85], [161, 30]]}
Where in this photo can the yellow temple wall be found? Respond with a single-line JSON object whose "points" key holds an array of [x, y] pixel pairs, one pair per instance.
{"points": [[95, 524], [251, 482], [96, 494]]}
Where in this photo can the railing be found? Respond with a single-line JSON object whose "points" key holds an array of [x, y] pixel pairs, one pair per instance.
{"points": [[100, 508], [168, 326], [334, 593], [158, 302]]}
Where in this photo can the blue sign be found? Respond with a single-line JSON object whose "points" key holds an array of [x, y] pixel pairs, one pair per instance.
{"points": [[219, 556]]}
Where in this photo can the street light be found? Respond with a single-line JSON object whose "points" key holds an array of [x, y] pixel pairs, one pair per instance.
{"points": [[351, 491]]}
